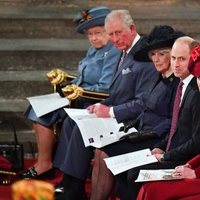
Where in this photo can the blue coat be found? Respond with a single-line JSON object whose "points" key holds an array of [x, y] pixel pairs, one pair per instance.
{"points": [[97, 68], [159, 105], [96, 72]]}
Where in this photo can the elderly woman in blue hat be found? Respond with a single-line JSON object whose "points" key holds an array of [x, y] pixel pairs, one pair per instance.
{"points": [[95, 74], [99, 64]]}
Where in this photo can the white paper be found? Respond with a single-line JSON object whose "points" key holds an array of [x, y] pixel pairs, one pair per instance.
{"points": [[155, 175], [124, 162], [47, 103], [96, 132]]}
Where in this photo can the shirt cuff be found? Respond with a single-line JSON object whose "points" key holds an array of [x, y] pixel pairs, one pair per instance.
{"points": [[162, 159], [111, 112]]}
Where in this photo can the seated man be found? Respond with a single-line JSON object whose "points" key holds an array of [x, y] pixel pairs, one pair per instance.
{"points": [[126, 92], [189, 173], [157, 113], [184, 138], [96, 71]]}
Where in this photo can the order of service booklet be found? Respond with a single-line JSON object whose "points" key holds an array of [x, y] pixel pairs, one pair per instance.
{"points": [[156, 175], [124, 162], [44, 104], [95, 131]]}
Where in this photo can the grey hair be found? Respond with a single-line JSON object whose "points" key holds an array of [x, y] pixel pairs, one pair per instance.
{"points": [[123, 15]]}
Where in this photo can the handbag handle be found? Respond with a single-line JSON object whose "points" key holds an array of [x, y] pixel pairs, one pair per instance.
{"points": [[14, 130]]}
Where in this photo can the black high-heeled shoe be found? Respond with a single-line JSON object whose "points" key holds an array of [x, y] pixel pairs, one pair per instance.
{"points": [[31, 173]]}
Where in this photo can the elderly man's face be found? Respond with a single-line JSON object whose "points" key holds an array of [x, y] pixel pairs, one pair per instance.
{"points": [[180, 56], [120, 35]]}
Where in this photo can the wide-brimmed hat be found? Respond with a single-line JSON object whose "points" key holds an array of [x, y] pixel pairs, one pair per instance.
{"points": [[160, 37], [194, 63], [89, 18]]}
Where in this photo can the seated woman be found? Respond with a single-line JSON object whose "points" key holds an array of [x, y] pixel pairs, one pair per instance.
{"points": [[96, 71], [155, 117], [188, 186]]}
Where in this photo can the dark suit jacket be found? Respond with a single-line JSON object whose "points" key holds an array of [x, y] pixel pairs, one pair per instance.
{"points": [[128, 87], [185, 142]]}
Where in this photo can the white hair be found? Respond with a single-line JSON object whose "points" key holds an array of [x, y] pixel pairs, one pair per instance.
{"points": [[122, 15]]}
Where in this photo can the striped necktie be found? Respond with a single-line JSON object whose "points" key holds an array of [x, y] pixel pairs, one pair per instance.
{"points": [[122, 59], [175, 114]]}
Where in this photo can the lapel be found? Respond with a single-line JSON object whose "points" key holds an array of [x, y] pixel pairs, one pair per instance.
{"points": [[155, 81], [188, 90], [128, 59]]}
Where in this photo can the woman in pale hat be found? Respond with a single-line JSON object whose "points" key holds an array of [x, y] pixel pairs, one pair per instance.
{"points": [[95, 74], [188, 187], [155, 118]]}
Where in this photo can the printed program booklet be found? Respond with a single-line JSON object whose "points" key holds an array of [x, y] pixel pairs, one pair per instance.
{"points": [[156, 175], [44, 104], [95, 131], [124, 162]]}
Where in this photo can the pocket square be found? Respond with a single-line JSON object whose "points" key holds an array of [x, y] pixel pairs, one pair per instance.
{"points": [[126, 71]]}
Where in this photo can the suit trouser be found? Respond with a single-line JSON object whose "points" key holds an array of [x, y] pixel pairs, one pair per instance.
{"points": [[72, 157]]}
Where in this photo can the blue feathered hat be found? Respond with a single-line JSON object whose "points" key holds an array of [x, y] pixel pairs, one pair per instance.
{"points": [[89, 18]]}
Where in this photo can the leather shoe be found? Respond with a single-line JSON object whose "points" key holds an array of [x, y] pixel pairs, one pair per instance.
{"points": [[31, 173], [59, 189]]}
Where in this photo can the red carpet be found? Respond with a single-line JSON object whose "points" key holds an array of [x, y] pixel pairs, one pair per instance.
{"points": [[5, 190]]}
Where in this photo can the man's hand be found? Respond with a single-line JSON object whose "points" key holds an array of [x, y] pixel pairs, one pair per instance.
{"points": [[158, 156], [157, 151], [101, 110], [91, 108]]}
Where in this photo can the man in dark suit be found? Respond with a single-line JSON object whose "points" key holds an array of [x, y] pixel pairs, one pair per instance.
{"points": [[155, 120], [184, 143], [128, 86]]}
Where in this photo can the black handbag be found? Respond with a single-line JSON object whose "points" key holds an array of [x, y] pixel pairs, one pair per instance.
{"points": [[13, 151], [139, 136]]}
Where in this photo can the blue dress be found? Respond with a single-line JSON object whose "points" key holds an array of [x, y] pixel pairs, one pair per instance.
{"points": [[95, 74]]}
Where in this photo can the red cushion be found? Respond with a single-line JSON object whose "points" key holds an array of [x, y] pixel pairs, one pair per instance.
{"points": [[5, 163]]}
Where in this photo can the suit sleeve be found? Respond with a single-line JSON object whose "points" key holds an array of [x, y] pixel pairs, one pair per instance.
{"points": [[162, 145], [131, 109], [191, 147]]}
